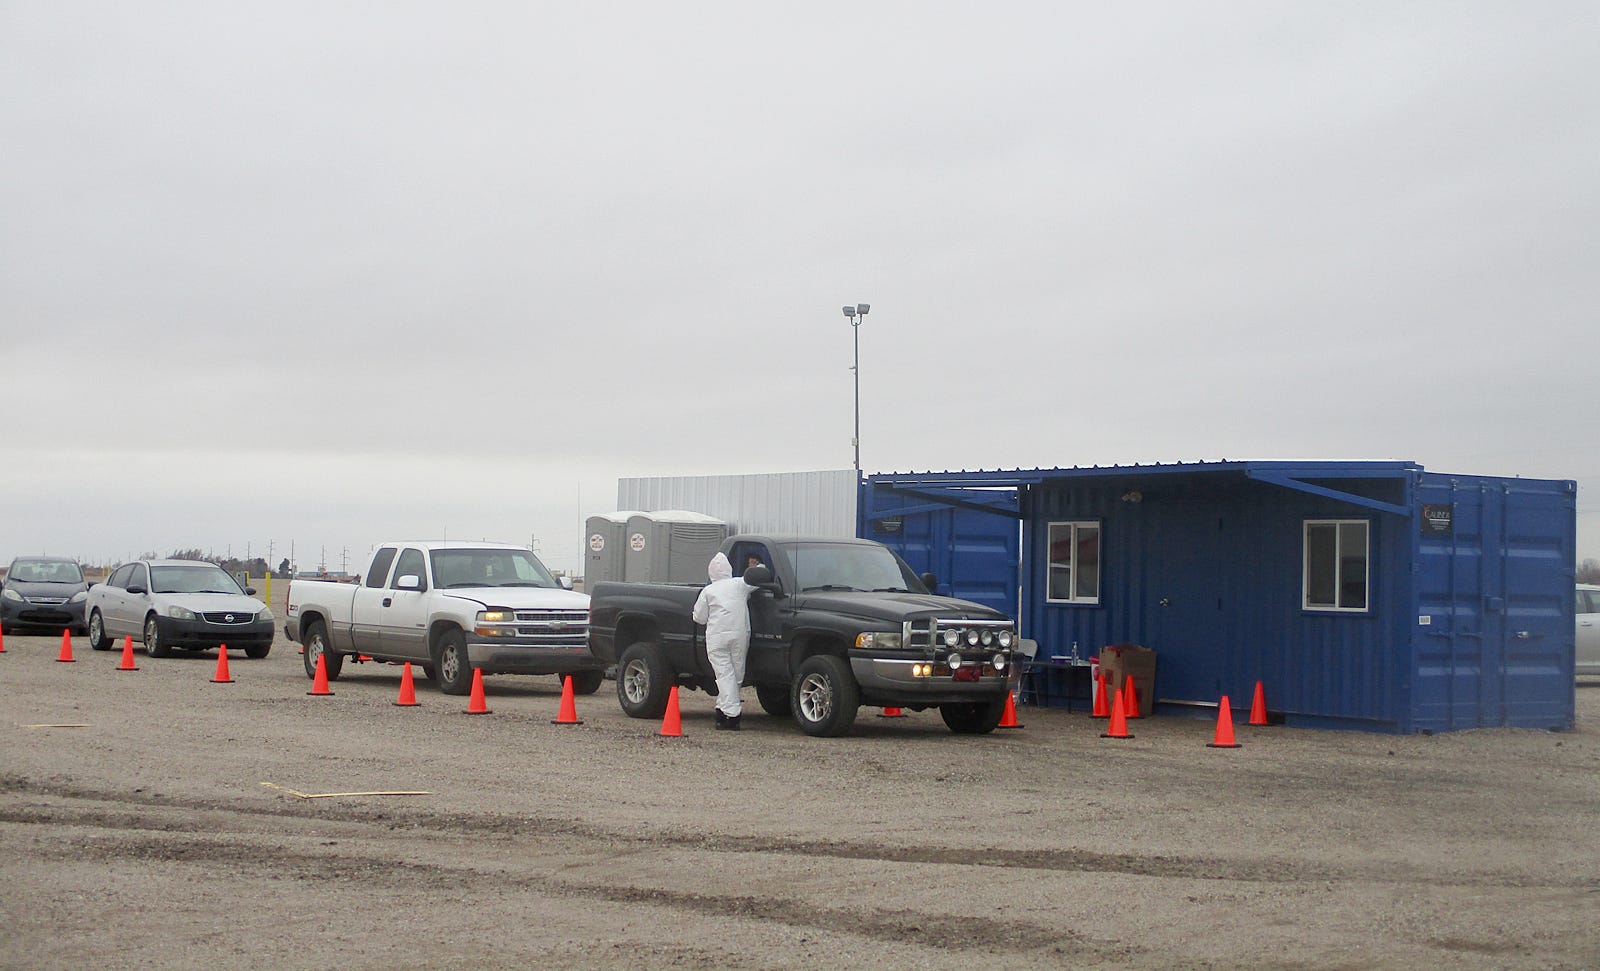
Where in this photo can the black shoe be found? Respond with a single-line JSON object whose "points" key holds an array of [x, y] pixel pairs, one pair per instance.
{"points": [[730, 723], [721, 718]]}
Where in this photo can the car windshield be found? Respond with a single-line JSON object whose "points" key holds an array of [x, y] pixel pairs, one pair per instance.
{"points": [[45, 571], [850, 566], [192, 579], [489, 568]]}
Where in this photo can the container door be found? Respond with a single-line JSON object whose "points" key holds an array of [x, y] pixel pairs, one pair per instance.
{"points": [[974, 554], [1494, 593]]}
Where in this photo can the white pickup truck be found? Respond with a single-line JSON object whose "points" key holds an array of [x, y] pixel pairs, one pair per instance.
{"points": [[450, 608]]}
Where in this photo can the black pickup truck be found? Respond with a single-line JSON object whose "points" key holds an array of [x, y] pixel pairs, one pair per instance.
{"points": [[835, 624]]}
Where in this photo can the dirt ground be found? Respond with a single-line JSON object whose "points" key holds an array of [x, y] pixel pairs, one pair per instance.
{"points": [[172, 830]]}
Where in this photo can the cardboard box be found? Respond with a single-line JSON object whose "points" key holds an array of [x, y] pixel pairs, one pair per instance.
{"points": [[1121, 661]]}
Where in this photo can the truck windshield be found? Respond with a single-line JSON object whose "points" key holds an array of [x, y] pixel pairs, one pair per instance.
{"points": [[489, 568], [192, 579], [850, 566]]}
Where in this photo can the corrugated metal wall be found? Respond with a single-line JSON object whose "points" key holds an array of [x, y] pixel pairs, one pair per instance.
{"points": [[1207, 571], [815, 503]]}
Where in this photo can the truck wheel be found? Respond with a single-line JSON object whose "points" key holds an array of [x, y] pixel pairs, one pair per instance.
{"points": [[153, 644], [450, 660], [643, 681], [824, 696], [316, 643], [97, 633], [586, 682], [774, 700], [973, 718]]}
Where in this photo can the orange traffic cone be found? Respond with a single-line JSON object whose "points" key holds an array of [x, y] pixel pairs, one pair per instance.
{"points": [[1258, 707], [1119, 720], [222, 676], [569, 705], [1130, 703], [408, 688], [127, 655], [477, 704], [1102, 699], [1224, 737], [319, 681], [1009, 718], [65, 656], [2, 640], [891, 713], [672, 722]]}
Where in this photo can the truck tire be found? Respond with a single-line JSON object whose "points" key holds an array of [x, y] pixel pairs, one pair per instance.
{"points": [[824, 696], [450, 661], [257, 651], [643, 681], [98, 641], [316, 643], [973, 718], [153, 644], [586, 682], [774, 700]]}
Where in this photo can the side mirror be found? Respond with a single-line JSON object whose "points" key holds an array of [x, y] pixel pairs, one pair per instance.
{"points": [[250, 591], [758, 576], [136, 590], [408, 582], [566, 583], [930, 581]]}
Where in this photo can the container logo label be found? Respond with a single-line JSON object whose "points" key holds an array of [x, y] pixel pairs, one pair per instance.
{"points": [[636, 542], [1436, 519], [597, 542]]}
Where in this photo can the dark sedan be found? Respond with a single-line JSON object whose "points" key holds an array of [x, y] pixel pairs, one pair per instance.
{"points": [[43, 591]]}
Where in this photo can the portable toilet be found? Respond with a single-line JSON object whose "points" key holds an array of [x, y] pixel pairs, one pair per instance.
{"points": [[672, 545], [605, 546]]}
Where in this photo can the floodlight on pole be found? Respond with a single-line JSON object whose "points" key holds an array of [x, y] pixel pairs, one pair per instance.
{"points": [[855, 314]]}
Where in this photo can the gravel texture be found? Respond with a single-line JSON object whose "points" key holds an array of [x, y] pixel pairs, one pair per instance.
{"points": [[173, 831]]}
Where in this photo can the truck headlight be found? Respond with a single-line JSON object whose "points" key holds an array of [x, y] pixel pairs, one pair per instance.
{"points": [[888, 640], [265, 614], [180, 613], [498, 615]]}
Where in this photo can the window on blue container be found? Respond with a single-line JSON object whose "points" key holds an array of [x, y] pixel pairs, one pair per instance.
{"points": [[1336, 564], [1074, 567]]}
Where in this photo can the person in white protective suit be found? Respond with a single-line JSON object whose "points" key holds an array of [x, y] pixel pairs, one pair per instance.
{"points": [[724, 608]]}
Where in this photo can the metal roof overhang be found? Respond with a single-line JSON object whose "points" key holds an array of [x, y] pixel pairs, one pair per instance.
{"points": [[996, 491]]}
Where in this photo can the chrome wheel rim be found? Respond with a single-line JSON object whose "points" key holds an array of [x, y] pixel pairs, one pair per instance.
{"points": [[636, 682], [816, 697], [151, 634], [449, 664], [97, 634]]}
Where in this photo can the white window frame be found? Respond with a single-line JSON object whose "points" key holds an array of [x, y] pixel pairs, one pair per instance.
{"points": [[1076, 525], [1338, 566]]}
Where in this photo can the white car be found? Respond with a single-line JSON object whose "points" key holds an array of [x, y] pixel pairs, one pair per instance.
{"points": [[172, 604], [1588, 639]]}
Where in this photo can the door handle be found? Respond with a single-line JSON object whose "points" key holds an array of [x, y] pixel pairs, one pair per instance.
{"points": [[387, 601]]}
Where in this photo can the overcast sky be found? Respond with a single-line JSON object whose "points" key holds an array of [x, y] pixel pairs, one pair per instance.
{"points": [[328, 274]]}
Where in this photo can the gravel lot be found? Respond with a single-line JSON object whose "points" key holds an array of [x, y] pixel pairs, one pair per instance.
{"points": [[168, 832]]}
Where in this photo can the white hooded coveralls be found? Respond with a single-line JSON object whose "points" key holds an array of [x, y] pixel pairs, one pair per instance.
{"points": [[724, 607]]}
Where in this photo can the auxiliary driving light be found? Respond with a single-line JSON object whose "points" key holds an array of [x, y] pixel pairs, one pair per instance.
{"points": [[972, 637], [952, 638], [1004, 637], [954, 661], [999, 662], [988, 638]]}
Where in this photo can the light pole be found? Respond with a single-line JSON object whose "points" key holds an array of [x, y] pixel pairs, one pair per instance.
{"points": [[855, 314]]}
